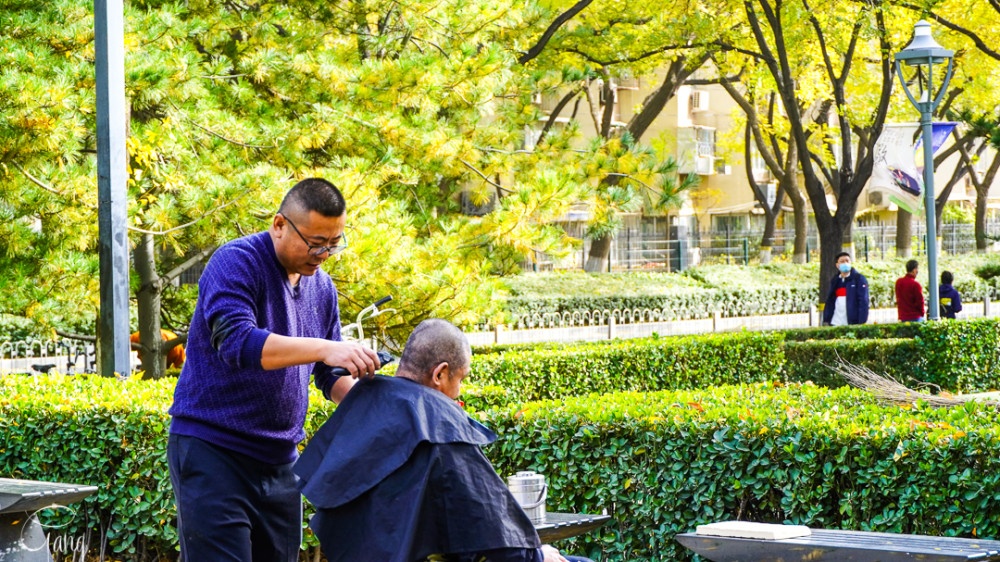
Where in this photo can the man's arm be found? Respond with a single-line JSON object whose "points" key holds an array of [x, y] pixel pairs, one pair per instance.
{"points": [[285, 351], [864, 300], [830, 302]]}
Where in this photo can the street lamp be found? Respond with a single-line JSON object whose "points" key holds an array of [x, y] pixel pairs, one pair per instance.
{"points": [[923, 52]]}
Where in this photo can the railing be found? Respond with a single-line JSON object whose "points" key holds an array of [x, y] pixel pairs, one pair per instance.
{"points": [[635, 249], [42, 355], [618, 324]]}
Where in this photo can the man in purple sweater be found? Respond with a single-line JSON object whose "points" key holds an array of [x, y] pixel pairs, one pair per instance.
{"points": [[266, 319]]}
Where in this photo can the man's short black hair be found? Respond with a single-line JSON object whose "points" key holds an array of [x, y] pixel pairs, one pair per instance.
{"points": [[435, 341], [840, 255], [314, 194], [947, 278], [911, 265]]}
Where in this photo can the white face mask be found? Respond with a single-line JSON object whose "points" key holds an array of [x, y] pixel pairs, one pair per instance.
{"points": [[844, 267]]}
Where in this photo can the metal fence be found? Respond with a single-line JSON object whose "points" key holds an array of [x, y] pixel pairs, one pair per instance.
{"points": [[625, 324], [41, 356], [636, 249]]}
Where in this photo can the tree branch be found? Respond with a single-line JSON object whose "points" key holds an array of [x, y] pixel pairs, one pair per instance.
{"points": [[572, 94], [188, 264], [980, 44], [185, 225], [37, 181], [564, 17], [485, 179]]}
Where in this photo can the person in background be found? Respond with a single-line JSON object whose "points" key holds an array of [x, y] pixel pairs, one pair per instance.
{"points": [[910, 295], [266, 319], [847, 301], [397, 474], [951, 301]]}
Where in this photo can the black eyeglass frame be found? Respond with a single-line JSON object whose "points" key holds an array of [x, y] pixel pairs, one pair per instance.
{"points": [[317, 251]]}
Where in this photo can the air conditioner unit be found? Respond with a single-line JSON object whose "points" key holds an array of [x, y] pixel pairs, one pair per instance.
{"points": [[699, 100], [876, 198], [704, 165]]}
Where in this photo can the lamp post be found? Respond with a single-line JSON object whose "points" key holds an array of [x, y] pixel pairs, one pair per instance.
{"points": [[923, 53]]}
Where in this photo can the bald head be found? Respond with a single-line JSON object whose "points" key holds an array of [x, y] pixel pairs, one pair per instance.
{"points": [[436, 350]]}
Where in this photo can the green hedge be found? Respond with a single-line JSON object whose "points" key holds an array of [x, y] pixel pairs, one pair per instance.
{"points": [[957, 356], [812, 360], [641, 364], [857, 332], [684, 305], [107, 433], [663, 463], [660, 463]]}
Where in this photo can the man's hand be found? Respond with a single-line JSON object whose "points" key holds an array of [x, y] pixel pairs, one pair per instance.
{"points": [[551, 554], [353, 357]]}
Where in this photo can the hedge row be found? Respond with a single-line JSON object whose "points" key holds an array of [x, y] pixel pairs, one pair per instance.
{"points": [[657, 363], [959, 356], [663, 463], [660, 463], [107, 433], [962, 356], [679, 306]]}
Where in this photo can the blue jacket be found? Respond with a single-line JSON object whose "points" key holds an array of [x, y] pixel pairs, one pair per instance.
{"points": [[857, 297], [949, 292]]}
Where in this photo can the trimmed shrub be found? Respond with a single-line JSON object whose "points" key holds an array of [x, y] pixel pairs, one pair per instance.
{"points": [[663, 463], [108, 433], [811, 360], [959, 356], [660, 463], [856, 332], [639, 364]]}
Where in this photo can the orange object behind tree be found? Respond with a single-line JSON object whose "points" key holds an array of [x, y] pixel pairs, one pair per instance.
{"points": [[175, 357]]}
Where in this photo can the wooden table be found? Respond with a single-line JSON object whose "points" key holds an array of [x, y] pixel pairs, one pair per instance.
{"points": [[857, 546], [564, 525]]}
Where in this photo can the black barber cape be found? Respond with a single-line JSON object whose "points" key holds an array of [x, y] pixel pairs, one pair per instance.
{"points": [[397, 474]]}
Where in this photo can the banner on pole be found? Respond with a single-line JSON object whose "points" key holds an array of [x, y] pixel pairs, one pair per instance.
{"points": [[895, 172]]}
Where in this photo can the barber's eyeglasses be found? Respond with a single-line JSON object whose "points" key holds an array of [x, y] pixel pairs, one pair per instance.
{"points": [[317, 251]]}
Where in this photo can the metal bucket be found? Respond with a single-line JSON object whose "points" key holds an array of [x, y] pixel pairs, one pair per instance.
{"points": [[530, 491]]}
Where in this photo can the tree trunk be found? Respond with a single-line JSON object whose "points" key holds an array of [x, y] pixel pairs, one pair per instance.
{"points": [[767, 240], [600, 251], [904, 234], [801, 223], [981, 242], [154, 360], [982, 191], [831, 243]]}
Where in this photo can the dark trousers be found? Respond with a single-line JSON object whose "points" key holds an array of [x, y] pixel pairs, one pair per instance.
{"points": [[233, 508]]}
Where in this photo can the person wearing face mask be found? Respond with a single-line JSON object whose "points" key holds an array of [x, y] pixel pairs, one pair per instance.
{"points": [[847, 301]]}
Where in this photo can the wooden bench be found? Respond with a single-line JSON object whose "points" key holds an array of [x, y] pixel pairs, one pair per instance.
{"points": [[827, 545]]}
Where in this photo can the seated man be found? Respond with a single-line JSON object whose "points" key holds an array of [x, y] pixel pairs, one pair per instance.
{"points": [[397, 474]]}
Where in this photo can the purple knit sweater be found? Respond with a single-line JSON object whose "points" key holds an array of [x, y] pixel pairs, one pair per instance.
{"points": [[223, 396]]}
